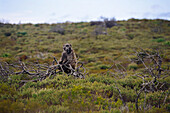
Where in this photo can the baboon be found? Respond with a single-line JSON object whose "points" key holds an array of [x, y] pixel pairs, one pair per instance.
{"points": [[68, 58]]}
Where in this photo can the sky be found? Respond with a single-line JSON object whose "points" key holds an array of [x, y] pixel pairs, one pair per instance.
{"points": [[54, 11]]}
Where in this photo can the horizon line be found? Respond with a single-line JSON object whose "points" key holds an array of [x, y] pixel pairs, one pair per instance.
{"points": [[5, 21]]}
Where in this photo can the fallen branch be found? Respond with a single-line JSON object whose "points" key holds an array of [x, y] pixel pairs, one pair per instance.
{"points": [[38, 72]]}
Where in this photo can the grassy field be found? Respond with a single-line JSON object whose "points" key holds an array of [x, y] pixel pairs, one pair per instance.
{"points": [[104, 89]]}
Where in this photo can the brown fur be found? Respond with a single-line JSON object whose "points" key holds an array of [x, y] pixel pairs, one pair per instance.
{"points": [[68, 57]]}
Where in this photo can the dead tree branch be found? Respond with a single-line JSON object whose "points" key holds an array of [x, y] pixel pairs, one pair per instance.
{"points": [[38, 72], [119, 69], [152, 61]]}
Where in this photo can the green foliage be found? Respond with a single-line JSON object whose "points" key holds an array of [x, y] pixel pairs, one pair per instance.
{"points": [[158, 110], [133, 66], [36, 25], [17, 107], [130, 82], [131, 36], [4, 106], [167, 43], [7, 106], [20, 34], [159, 40], [97, 92], [5, 55], [104, 67], [156, 98], [79, 99], [6, 89], [58, 109], [33, 106]]}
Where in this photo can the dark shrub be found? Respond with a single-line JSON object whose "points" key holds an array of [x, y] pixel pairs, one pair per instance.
{"points": [[130, 35], [110, 23], [36, 25], [23, 57], [92, 23], [7, 34], [104, 67], [58, 29]]}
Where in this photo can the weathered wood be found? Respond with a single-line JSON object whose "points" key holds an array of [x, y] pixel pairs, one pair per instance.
{"points": [[38, 72]]}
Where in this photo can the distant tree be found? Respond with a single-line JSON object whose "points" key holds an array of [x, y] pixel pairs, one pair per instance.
{"points": [[109, 22], [92, 23], [58, 29], [103, 25], [3, 21]]}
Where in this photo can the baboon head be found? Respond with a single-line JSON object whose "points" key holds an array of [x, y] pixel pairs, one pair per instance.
{"points": [[67, 48]]}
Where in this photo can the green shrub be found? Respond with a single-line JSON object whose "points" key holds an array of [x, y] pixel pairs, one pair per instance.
{"points": [[4, 106], [159, 40], [79, 99], [62, 109], [57, 109], [91, 59], [20, 34], [33, 106], [133, 66], [5, 55], [158, 110], [130, 36], [17, 107], [104, 67], [27, 93], [7, 89], [7, 106], [155, 98], [101, 79], [167, 43], [83, 50], [128, 95], [36, 25], [131, 82], [95, 93]]}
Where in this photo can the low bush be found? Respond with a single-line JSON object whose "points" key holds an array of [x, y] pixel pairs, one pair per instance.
{"points": [[133, 66], [104, 67], [20, 34], [58, 29], [7, 34], [5, 55], [159, 40], [57, 109], [167, 43]]}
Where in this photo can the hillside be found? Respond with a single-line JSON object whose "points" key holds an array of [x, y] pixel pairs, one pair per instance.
{"points": [[117, 80]]}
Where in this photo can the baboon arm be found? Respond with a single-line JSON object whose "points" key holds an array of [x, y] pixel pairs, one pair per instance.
{"points": [[63, 58], [74, 56], [75, 59]]}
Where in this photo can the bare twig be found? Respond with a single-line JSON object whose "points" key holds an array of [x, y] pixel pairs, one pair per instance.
{"points": [[120, 95], [166, 97]]}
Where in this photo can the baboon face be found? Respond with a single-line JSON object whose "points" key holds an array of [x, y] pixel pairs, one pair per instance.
{"points": [[67, 48]]}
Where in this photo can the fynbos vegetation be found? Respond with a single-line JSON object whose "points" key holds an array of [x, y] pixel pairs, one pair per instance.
{"points": [[123, 66]]}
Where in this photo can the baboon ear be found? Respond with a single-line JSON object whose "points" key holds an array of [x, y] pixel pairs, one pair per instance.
{"points": [[64, 45]]}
